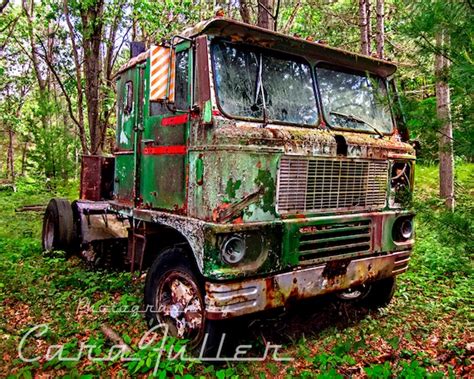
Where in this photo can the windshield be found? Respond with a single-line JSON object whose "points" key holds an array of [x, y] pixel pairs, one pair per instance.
{"points": [[257, 85], [354, 100]]}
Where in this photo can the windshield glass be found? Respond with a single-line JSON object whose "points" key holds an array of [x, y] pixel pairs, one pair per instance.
{"points": [[354, 100], [252, 84]]}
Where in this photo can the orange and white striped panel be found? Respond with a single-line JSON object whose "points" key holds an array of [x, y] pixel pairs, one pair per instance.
{"points": [[159, 58]]}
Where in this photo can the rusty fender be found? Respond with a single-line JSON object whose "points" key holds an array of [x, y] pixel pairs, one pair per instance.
{"points": [[231, 299], [96, 223]]}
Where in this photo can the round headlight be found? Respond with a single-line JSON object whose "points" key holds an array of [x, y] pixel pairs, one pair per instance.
{"points": [[403, 229], [406, 228], [233, 250]]}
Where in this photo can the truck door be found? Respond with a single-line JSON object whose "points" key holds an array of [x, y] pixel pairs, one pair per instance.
{"points": [[127, 115], [165, 139]]}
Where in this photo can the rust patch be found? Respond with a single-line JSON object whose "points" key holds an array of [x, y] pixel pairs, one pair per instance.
{"points": [[336, 268]]}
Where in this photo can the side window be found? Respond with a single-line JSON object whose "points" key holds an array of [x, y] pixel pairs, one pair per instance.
{"points": [[128, 98], [182, 80]]}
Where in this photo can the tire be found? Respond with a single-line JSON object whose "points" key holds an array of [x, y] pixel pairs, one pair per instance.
{"points": [[58, 226], [371, 295], [163, 305], [381, 293]]}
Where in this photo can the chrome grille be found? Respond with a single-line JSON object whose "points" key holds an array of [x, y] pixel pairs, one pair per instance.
{"points": [[342, 239], [315, 184]]}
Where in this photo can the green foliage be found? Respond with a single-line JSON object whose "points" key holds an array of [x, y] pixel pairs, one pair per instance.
{"points": [[423, 126], [445, 240], [379, 371], [426, 20]]}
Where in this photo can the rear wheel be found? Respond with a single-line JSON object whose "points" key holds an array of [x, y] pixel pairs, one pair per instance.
{"points": [[174, 296], [58, 226], [371, 295], [354, 293]]}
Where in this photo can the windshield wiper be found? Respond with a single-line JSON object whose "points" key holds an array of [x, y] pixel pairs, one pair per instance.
{"points": [[358, 119]]}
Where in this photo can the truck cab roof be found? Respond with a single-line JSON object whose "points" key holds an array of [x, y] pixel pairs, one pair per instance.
{"points": [[250, 34], [253, 35]]}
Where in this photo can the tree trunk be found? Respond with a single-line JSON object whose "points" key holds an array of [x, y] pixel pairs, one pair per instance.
{"points": [[92, 25], [23, 158], [265, 14], [43, 98], [364, 26], [107, 81], [244, 11], [380, 39], [79, 88], [443, 110], [10, 155]]}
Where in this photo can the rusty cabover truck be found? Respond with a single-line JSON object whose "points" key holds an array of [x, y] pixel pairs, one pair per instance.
{"points": [[251, 168]]}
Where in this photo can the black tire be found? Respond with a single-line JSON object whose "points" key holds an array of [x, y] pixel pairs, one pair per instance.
{"points": [[371, 295], [172, 263], [58, 226], [381, 293]]}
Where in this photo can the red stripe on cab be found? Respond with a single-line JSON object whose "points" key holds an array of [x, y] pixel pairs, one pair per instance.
{"points": [[165, 150], [175, 120]]}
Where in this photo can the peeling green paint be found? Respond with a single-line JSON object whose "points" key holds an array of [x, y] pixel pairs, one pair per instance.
{"points": [[232, 188], [199, 170], [207, 112], [265, 180]]}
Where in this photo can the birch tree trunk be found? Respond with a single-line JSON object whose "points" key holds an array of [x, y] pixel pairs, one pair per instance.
{"points": [[364, 26], [380, 37], [443, 110]]}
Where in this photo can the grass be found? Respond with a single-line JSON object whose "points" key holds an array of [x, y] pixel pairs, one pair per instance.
{"points": [[425, 332]]}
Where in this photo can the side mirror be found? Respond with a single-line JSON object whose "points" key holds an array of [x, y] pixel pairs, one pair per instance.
{"points": [[416, 145]]}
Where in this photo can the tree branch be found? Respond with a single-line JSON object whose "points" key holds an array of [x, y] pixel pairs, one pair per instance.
{"points": [[66, 95], [267, 10], [78, 67], [435, 49], [277, 12], [120, 45], [292, 18]]}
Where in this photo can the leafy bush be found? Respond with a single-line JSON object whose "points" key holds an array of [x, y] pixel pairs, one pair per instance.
{"points": [[445, 242]]}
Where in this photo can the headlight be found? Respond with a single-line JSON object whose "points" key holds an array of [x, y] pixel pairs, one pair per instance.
{"points": [[403, 229], [233, 250], [400, 184]]}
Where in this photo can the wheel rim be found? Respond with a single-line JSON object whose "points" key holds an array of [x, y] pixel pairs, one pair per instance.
{"points": [[180, 305], [354, 293], [48, 239]]}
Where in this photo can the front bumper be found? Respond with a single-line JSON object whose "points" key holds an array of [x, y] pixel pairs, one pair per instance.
{"points": [[237, 298]]}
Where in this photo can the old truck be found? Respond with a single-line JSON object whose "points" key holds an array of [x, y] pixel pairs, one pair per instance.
{"points": [[251, 168]]}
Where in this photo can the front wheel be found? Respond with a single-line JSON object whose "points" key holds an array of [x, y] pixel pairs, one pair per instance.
{"points": [[174, 298]]}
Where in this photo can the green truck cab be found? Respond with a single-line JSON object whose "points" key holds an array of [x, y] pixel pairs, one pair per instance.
{"points": [[271, 169]]}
